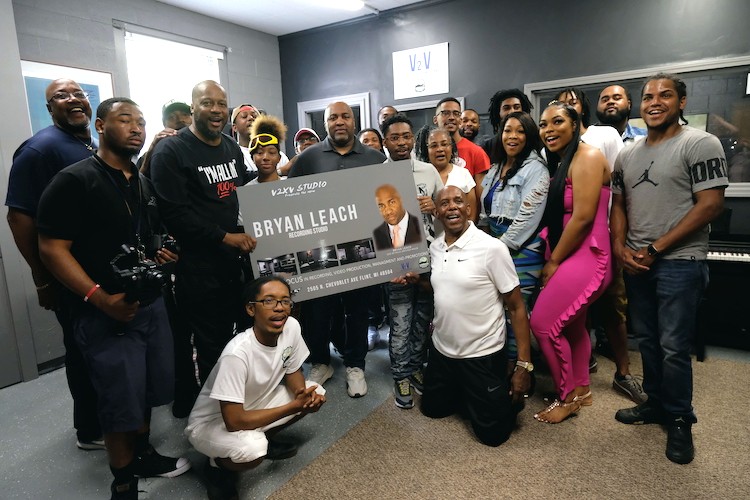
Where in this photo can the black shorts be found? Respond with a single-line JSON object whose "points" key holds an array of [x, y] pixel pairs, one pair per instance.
{"points": [[477, 388], [131, 365]]}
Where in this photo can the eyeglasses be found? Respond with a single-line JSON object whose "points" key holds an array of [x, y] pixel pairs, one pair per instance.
{"points": [[64, 96], [447, 112], [306, 139], [262, 140], [407, 136], [271, 303]]}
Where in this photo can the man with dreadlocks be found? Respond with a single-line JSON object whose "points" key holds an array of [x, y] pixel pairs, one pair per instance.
{"points": [[266, 135], [666, 190]]}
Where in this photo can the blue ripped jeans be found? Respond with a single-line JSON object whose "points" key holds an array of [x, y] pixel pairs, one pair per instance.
{"points": [[411, 312]]}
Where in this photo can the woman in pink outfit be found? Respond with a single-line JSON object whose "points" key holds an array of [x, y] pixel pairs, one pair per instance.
{"points": [[579, 266]]}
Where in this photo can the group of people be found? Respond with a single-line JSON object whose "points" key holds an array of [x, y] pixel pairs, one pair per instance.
{"points": [[522, 239]]}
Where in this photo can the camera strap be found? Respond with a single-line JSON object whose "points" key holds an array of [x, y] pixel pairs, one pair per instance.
{"points": [[135, 217]]}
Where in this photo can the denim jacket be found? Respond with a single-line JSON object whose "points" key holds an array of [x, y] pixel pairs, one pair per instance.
{"points": [[523, 200]]}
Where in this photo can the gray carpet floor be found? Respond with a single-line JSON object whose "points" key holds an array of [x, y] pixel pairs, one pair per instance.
{"points": [[402, 454], [367, 448]]}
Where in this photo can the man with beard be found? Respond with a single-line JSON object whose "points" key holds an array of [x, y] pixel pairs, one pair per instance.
{"points": [[87, 214], [196, 174], [339, 150], [469, 125], [67, 141], [448, 117], [613, 109]]}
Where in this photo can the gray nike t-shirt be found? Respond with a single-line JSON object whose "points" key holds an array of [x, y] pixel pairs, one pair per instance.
{"points": [[658, 183]]}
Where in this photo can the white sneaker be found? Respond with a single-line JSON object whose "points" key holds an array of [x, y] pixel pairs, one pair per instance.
{"points": [[373, 337], [320, 373], [355, 382]]}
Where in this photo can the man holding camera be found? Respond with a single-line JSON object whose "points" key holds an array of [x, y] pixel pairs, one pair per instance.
{"points": [[88, 214]]}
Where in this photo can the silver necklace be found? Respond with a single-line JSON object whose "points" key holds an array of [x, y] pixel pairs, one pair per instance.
{"points": [[89, 146]]}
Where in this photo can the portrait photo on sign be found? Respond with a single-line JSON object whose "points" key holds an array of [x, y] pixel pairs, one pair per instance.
{"points": [[399, 227]]}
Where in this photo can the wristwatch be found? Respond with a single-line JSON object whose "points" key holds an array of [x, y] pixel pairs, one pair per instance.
{"points": [[526, 365], [652, 251]]}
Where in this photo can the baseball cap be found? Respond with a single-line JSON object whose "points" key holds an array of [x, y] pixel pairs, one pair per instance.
{"points": [[303, 131], [173, 105], [241, 107]]}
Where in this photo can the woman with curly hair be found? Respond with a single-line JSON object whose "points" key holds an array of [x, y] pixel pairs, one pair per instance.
{"points": [[437, 146], [266, 135]]}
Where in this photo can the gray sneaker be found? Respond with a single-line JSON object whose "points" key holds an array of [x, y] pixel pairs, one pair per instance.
{"points": [[402, 391], [630, 387], [320, 373]]}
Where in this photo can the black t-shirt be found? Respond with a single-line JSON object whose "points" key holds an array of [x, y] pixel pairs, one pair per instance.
{"points": [[90, 204], [196, 185]]}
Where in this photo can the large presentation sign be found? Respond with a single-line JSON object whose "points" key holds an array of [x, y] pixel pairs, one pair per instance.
{"points": [[325, 233]]}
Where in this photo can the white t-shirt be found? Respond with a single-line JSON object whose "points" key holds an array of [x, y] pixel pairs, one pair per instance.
{"points": [[248, 371], [606, 139], [461, 178], [469, 277]]}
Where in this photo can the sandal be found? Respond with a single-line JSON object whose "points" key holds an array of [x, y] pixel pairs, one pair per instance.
{"points": [[585, 399], [559, 411]]}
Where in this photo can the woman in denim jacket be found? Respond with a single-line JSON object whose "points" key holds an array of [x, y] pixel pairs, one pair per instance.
{"points": [[514, 195]]}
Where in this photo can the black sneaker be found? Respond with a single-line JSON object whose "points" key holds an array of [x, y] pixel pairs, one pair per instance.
{"points": [[280, 450], [125, 491], [680, 448], [221, 484], [644, 413], [151, 464]]}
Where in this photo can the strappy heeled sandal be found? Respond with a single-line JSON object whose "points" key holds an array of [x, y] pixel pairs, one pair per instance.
{"points": [[569, 409]]}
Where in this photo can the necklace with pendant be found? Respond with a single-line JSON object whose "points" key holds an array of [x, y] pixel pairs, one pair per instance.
{"points": [[89, 146]]}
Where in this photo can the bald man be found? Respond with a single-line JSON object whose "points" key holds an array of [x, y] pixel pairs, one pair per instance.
{"points": [[68, 140], [195, 175], [338, 151], [399, 228]]}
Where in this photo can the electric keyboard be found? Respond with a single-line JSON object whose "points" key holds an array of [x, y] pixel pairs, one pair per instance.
{"points": [[728, 251]]}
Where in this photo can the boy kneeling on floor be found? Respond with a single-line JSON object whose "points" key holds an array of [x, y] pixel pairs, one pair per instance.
{"points": [[243, 401]]}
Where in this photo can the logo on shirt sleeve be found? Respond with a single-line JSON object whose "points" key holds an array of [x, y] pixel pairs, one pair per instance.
{"points": [[715, 168], [285, 356]]}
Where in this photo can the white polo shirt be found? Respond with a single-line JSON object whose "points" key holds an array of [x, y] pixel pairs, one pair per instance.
{"points": [[469, 278]]}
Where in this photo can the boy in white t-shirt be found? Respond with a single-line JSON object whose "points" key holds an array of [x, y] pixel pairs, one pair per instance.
{"points": [[256, 389]]}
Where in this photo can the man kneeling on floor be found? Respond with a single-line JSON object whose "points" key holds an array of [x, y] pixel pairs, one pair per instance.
{"points": [[473, 279], [242, 402]]}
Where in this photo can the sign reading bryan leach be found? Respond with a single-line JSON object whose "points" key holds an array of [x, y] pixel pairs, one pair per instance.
{"points": [[338, 231]]}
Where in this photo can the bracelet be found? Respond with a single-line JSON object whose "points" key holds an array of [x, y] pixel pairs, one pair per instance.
{"points": [[91, 292], [42, 287]]}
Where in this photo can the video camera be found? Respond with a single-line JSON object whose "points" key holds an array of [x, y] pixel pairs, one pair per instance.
{"points": [[140, 278]]}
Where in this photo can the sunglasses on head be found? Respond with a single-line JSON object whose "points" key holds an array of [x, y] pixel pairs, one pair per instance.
{"points": [[262, 140]]}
